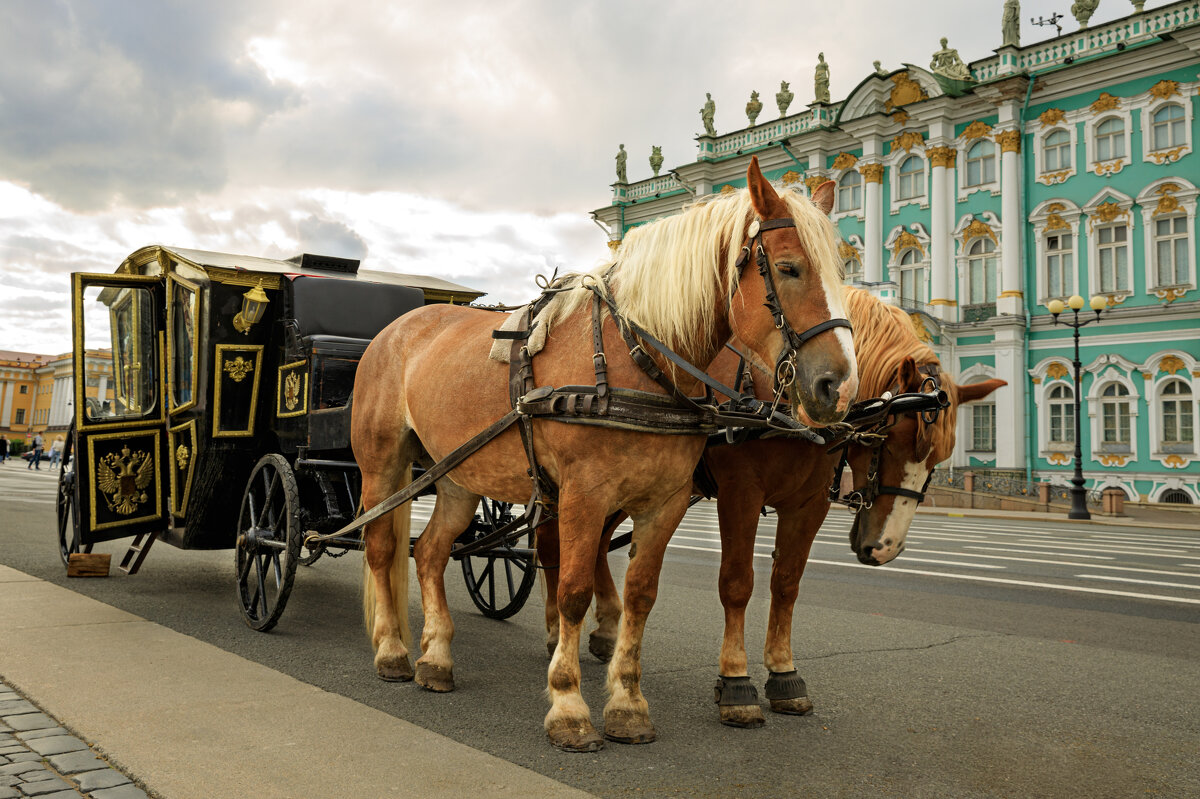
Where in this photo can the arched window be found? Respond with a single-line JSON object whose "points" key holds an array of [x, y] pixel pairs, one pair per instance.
{"points": [[981, 163], [981, 272], [850, 192], [912, 278], [1056, 151], [1171, 250], [1110, 139], [911, 178], [852, 271], [1166, 127], [1060, 265], [1177, 410], [1114, 418], [1061, 402]]}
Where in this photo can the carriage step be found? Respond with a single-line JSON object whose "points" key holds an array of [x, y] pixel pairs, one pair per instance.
{"points": [[132, 561]]}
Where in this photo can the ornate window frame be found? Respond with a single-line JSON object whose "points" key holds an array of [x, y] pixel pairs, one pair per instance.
{"points": [[1055, 370], [1109, 208], [900, 241], [971, 228], [965, 435], [905, 145], [1058, 215], [1163, 93], [851, 248], [974, 133], [1168, 196], [1107, 370], [1158, 370], [1051, 120], [843, 165], [1103, 109]]}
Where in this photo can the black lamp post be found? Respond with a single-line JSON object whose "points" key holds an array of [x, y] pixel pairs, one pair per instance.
{"points": [[1075, 303]]}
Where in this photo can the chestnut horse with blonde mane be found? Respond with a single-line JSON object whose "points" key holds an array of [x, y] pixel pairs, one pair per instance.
{"points": [[426, 385], [793, 477]]}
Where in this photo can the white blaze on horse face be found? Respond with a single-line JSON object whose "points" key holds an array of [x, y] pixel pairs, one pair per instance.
{"points": [[834, 301], [895, 527]]}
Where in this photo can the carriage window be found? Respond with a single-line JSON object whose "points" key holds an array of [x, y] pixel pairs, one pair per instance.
{"points": [[119, 321], [184, 310]]}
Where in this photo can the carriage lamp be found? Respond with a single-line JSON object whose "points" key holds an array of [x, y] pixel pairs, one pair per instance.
{"points": [[254, 304], [1098, 303]]}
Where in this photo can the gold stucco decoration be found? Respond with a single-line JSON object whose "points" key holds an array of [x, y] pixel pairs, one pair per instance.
{"points": [[727, 189], [1167, 156], [1114, 460], [942, 156], [900, 116], [1170, 295], [1059, 458], [846, 251], [1164, 89], [1050, 178], [1056, 222], [1106, 102], [976, 130], [1052, 116], [812, 181], [907, 141], [1105, 168], [1172, 364], [904, 241], [1057, 370], [905, 90], [1174, 462], [978, 228], [1167, 203], [919, 328], [123, 479], [844, 161], [1009, 141], [791, 177], [872, 173], [1108, 211]]}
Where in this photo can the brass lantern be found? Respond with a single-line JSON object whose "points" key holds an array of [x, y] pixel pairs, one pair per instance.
{"points": [[254, 304]]}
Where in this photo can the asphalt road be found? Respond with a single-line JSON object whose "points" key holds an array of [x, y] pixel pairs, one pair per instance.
{"points": [[994, 658]]}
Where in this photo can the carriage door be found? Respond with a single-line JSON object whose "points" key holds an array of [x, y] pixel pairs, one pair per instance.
{"points": [[120, 412]]}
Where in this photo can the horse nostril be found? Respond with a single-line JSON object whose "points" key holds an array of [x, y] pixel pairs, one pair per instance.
{"points": [[826, 388]]}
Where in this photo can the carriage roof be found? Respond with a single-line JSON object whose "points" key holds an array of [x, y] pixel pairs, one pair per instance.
{"points": [[434, 288]]}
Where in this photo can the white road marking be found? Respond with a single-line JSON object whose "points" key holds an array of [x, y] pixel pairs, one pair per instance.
{"points": [[1140, 582], [1040, 552]]}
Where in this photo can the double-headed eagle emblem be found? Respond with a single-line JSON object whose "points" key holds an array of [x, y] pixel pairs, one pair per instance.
{"points": [[123, 479]]}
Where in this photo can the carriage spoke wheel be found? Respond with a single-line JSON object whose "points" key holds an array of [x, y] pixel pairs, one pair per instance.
{"points": [[268, 542], [498, 582], [68, 540]]}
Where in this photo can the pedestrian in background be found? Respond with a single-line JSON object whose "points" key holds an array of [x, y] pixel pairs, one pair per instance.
{"points": [[56, 453], [3, 449], [36, 461]]}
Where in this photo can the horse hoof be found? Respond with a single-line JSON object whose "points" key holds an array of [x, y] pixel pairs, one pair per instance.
{"points": [[577, 736], [800, 706], [435, 678], [394, 669], [627, 727], [745, 716], [601, 647]]}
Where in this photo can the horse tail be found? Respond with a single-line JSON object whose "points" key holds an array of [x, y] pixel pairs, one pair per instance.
{"points": [[397, 576]]}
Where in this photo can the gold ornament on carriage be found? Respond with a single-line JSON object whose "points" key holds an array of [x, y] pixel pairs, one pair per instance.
{"points": [[123, 479], [291, 390], [182, 455], [238, 368]]}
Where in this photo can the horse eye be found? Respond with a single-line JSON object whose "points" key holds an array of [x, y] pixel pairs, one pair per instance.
{"points": [[788, 269]]}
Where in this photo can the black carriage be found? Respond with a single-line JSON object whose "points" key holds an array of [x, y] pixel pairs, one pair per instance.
{"points": [[212, 396]]}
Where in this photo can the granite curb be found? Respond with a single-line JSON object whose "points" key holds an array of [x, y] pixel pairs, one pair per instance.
{"points": [[40, 757]]}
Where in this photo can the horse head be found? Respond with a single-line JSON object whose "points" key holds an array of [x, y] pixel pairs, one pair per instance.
{"points": [[806, 335], [894, 468]]}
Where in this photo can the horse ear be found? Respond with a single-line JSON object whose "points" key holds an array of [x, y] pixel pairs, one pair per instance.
{"points": [[823, 196], [762, 195], [909, 377], [970, 392]]}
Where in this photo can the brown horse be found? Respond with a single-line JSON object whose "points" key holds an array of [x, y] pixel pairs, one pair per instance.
{"points": [[793, 477], [426, 385]]}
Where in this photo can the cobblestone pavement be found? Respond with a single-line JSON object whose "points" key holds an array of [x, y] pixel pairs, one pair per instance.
{"points": [[40, 758]]}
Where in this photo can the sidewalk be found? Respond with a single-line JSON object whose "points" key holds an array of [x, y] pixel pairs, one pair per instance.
{"points": [[181, 718]]}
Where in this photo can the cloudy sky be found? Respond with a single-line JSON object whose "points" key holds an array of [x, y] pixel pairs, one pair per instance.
{"points": [[468, 139]]}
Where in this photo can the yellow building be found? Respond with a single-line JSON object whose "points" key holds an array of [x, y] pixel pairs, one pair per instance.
{"points": [[36, 392]]}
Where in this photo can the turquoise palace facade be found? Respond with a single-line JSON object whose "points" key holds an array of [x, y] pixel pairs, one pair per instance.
{"points": [[974, 198]]}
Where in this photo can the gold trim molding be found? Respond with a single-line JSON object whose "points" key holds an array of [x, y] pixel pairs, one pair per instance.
{"points": [[976, 130], [1051, 178], [872, 173], [1161, 157], [1052, 116], [942, 156], [844, 161], [1009, 141]]}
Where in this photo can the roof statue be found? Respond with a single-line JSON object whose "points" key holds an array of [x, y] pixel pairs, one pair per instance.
{"points": [[707, 113], [622, 157], [879, 70], [783, 98], [656, 158], [947, 63], [1010, 24], [821, 80], [1083, 10], [753, 108]]}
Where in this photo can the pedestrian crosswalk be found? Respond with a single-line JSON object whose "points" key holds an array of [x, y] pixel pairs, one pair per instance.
{"points": [[28, 486]]}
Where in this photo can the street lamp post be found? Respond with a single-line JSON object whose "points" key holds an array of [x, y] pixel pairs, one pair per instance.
{"points": [[1075, 303]]}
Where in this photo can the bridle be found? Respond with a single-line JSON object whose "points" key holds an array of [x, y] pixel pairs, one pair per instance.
{"points": [[785, 365], [869, 423]]}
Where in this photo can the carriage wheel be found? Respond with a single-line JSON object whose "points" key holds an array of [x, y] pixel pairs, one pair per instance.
{"points": [[499, 585], [268, 541], [68, 538]]}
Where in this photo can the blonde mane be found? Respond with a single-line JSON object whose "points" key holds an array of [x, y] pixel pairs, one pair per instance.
{"points": [[670, 275]]}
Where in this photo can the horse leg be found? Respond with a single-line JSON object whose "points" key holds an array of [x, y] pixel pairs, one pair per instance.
{"points": [[627, 714], [568, 722], [385, 575], [793, 540], [546, 541], [738, 513], [453, 512], [603, 639]]}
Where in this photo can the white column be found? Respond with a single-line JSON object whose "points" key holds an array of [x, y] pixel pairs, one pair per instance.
{"points": [[941, 243], [873, 240], [102, 391], [1010, 399], [6, 408], [1011, 299]]}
